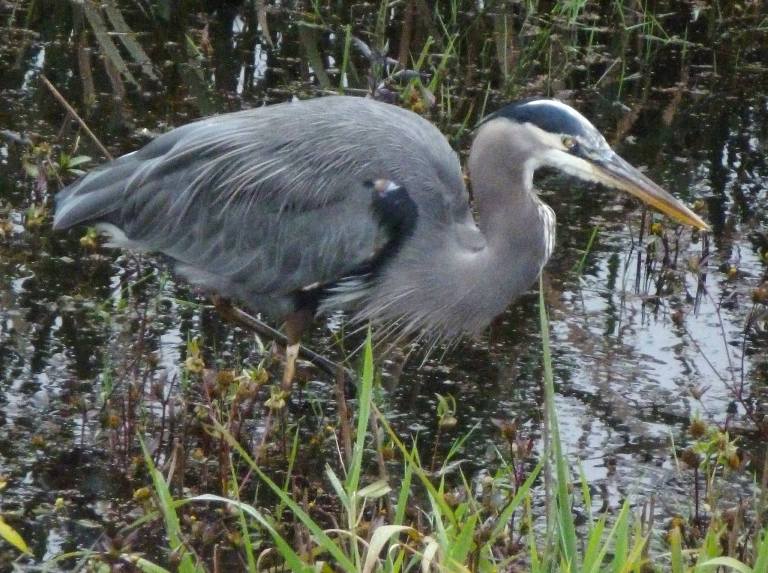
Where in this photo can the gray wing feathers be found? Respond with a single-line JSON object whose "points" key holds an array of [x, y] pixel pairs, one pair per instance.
{"points": [[272, 199]]}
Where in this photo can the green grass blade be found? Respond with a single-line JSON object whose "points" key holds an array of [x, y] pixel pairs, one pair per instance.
{"points": [[730, 562], [289, 471], [168, 509], [462, 544], [423, 55], [363, 416], [397, 566], [676, 548], [608, 540], [458, 444], [566, 526], [13, 537], [536, 565], [405, 493], [83, 556], [345, 58], [380, 538], [710, 548], [592, 560], [374, 490], [579, 268], [338, 487], [248, 545], [517, 500], [411, 458], [437, 517], [586, 498], [621, 546], [352, 484], [761, 564], [292, 559], [145, 565], [320, 536], [250, 557], [635, 559]]}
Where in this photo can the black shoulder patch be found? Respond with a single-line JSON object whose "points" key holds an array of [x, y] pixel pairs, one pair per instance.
{"points": [[394, 210], [552, 118], [396, 214]]}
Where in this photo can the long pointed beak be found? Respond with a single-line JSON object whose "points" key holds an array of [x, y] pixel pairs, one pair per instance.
{"points": [[613, 171]]}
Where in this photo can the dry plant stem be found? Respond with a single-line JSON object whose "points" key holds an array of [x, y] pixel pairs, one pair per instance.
{"points": [[268, 424], [256, 455], [118, 87], [733, 534], [428, 21], [407, 32], [764, 482], [176, 454], [723, 334], [648, 529], [638, 271], [745, 334], [434, 449], [343, 413], [736, 388], [696, 494], [84, 63], [60, 98], [216, 559], [261, 18], [705, 357]]}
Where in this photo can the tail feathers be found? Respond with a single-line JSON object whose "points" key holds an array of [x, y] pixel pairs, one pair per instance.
{"points": [[75, 208], [92, 198]]}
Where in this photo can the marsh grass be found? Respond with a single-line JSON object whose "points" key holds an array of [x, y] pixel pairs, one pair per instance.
{"points": [[432, 522]]}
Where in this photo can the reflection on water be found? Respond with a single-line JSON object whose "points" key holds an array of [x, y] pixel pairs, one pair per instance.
{"points": [[650, 329]]}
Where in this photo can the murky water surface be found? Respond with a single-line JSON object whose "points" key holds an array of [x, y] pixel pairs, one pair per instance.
{"points": [[648, 329]]}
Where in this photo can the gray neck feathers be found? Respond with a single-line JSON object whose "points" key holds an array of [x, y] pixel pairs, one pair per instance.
{"points": [[511, 217], [501, 170], [472, 275]]}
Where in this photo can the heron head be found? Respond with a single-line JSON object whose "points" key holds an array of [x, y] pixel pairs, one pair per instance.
{"points": [[564, 139]]}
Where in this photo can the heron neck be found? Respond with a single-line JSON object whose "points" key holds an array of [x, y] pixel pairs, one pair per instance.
{"points": [[518, 228], [501, 172]]}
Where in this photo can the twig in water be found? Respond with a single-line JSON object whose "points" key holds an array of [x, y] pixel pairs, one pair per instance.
{"points": [[724, 336], [60, 98]]}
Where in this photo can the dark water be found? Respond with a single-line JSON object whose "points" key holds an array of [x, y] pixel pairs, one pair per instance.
{"points": [[93, 340]]}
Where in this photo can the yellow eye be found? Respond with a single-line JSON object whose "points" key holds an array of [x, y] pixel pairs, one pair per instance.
{"points": [[569, 142]]}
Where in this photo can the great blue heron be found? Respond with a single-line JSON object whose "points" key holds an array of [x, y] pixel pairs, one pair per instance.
{"points": [[347, 203]]}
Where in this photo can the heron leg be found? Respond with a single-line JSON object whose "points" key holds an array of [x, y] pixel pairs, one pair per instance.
{"points": [[233, 314], [295, 325]]}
